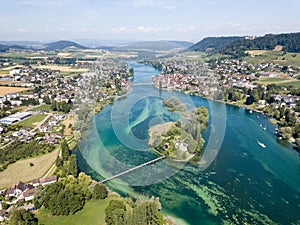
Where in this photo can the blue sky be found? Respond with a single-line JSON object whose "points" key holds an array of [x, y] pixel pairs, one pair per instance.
{"points": [[145, 19]]}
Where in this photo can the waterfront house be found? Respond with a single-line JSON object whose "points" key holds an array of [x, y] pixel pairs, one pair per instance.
{"points": [[44, 181], [3, 215]]}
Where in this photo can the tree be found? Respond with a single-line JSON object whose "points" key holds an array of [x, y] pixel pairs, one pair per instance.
{"points": [[131, 71], [249, 100], [70, 167], [297, 131], [100, 192], [113, 205], [65, 151], [84, 182], [4, 205], [23, 217], [298, 143], [64, 197]]}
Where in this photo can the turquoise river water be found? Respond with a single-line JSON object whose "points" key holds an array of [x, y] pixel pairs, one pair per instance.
{"points": [[238, 181]]}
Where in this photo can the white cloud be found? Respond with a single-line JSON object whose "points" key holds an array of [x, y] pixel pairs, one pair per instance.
{"points": [[234, 25], [140, 29], [45, 3], [186, 29], [22, 30], [164, 4], [143, 29]]}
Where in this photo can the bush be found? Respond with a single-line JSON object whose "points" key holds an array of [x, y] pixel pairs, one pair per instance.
{"points": [[100, 192]]}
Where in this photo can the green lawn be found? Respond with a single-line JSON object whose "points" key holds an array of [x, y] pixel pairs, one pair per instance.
{"points": [[69, 73], [272, 80], [295, 84], [93, 213], [30, 122], [280, 81], [43, 108], [289, 58]]}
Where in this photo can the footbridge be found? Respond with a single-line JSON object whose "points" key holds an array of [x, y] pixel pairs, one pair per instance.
{"points": [[131, 169]]}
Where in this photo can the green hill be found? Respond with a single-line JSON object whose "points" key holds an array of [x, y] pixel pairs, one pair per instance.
{"points": [[289, 42], [59, 45], [213, 43], [5, 48]]}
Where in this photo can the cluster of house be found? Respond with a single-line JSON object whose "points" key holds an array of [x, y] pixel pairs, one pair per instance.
{"points": [[240, 67], [30, 75], [228, 73], [16, 99], [107, 73], [23, 192], [56, 86], [27, 134], [53, 121], [192, 84]]}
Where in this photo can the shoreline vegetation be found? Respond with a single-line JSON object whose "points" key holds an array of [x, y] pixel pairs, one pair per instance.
{"points": [[120, 202], [280, 104], [291, 141], [181, 140]]}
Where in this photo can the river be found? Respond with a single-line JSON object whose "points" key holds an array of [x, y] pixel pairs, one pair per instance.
{"points": [[238, 181]]}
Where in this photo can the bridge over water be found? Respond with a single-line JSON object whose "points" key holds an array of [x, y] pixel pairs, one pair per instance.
{"points": [[131, 169]]}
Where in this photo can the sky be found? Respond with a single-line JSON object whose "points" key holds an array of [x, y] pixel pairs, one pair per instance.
{"points": [[190, 20]]}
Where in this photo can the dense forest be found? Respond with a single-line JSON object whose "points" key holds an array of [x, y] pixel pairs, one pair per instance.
{"points": [[213, 43], [289, 42], [236, 46]]}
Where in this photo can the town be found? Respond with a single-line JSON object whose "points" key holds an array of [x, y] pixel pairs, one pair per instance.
{"points": [[239, 83], [42, 107]]}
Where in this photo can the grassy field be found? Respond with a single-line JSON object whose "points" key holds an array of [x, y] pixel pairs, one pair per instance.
{"points": [[7, 90], [92, 213], [280, 81], [257, 56], [62, 68], [4, 72], [295, 84], [43, 108], [69, 73], [22, 171], [32, 121], [67, 122], [256, 52], [273, 80]]}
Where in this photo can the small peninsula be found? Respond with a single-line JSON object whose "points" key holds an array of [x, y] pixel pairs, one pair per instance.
{"points": [[182, 139]]}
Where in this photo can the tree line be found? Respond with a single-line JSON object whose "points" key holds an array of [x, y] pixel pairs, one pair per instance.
{"points": [[20, 150], [290, 43], [133, 213]]}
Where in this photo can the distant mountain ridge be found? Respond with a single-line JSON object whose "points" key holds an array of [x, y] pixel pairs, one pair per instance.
{"points": [[59, 45], [152, 46], [5, 48], [184, 44], [22, 43]]}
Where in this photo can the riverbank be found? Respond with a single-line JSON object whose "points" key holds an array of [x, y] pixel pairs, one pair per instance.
{"points": [[239, 104], [219, 193]]}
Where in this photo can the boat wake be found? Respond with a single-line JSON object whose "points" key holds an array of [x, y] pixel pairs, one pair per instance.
{"points": [[261, 144]]}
